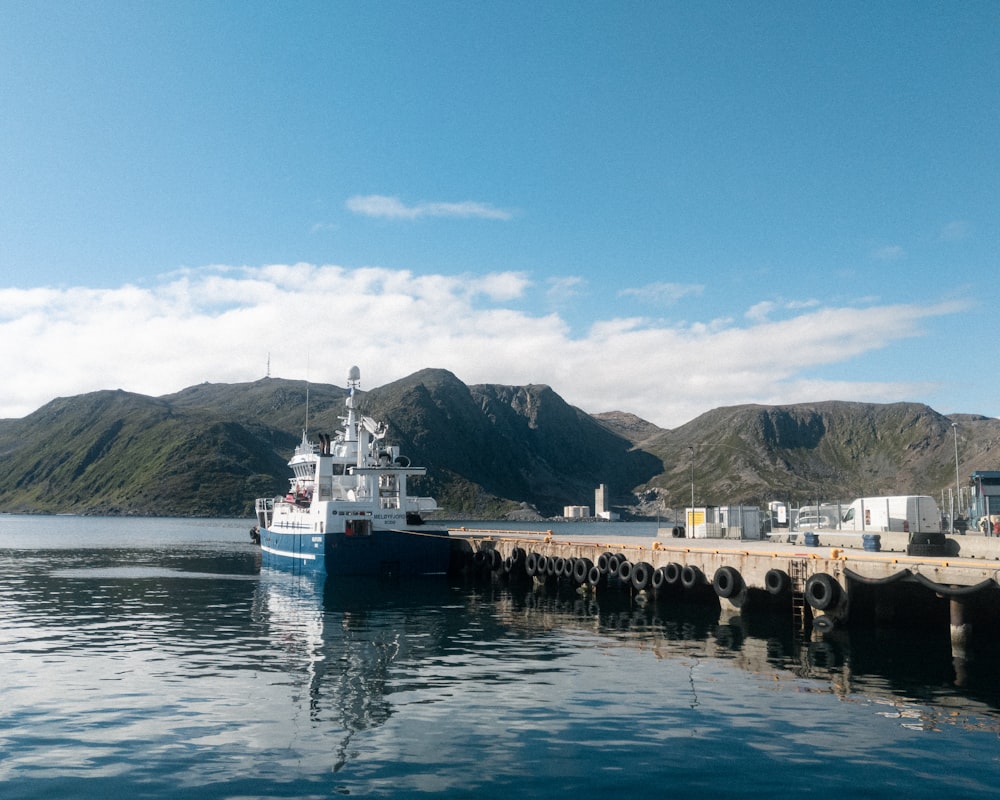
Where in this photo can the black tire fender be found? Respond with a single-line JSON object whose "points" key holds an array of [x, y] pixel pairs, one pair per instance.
{"points": [[691, 576], [659, 579], [642, 576], [727, 582], [822, 591], [776, 581], [823, 623]]}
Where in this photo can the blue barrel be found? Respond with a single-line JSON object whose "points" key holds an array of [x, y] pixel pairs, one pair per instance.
{"points": [[811, 539], [871, 542]]}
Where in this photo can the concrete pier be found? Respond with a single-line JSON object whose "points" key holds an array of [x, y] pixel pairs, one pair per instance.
{"points": [[822, 578]]}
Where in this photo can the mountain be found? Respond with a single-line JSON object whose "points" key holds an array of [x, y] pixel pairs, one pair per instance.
{"points": [[826, 451], [113, 452], [487, 445], [490, 450]]}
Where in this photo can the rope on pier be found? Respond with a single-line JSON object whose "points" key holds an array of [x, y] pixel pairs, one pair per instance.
{"points": [[421, 533]]}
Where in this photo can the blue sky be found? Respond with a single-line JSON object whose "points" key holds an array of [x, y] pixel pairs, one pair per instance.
{"points": [[654, 207]]}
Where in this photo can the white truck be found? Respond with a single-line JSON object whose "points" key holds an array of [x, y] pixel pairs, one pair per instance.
{"points": [[909, 513]]}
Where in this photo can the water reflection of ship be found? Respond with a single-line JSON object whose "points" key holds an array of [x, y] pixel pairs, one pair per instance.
{"points": [[347, 648], [339, 642]]}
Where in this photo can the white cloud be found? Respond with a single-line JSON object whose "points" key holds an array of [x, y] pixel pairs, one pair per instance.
{"points": [[221, 323], [320, 227], [565, 288], [761, 311], [663, 293], [890, 252], [955, 231], [377, 205]]}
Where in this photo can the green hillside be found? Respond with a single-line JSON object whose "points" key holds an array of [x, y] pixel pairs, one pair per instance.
{"points": [[490, 450], [825, 451]]}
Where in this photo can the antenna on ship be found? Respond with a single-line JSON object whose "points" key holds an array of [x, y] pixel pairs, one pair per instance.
{"points": [[306, 428], [353, 381], [350, 421]]}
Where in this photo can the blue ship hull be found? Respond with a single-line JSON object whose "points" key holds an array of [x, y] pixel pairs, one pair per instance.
{"points": [[383, 553]]}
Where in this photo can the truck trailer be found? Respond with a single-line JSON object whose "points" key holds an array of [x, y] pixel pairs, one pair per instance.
{"points": [[916, 514], [910, 513]]}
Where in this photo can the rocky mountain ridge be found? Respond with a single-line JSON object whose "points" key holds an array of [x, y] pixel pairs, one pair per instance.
{"points": [[491, 450]]}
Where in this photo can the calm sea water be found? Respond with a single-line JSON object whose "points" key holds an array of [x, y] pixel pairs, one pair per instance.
{"points": [[152, 658]]}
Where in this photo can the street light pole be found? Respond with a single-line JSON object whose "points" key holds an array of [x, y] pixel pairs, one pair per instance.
{"points": [[691, 448], [958, 485], [689, 522]]}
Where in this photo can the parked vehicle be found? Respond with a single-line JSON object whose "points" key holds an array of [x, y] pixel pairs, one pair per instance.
{"points": [[910, 513], [809, 522], [816, 517], [917, 515]]}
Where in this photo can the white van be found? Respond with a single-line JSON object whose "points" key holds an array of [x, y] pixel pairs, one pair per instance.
{"points": [[909, 513]]}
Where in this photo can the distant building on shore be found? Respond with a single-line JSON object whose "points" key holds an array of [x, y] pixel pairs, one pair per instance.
{"points": [[601, 510]]}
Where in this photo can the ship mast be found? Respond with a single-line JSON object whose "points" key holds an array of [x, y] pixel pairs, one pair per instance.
{"points": [[350, 422]]}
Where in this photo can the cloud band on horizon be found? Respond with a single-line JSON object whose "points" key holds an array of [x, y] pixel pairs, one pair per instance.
{"points": [[220, 323], [386, 207]]}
